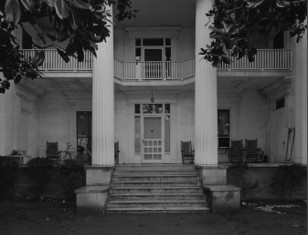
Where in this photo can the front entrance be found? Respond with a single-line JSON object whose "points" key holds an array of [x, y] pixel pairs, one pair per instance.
{"points": [[152, 132], [152, 139]]}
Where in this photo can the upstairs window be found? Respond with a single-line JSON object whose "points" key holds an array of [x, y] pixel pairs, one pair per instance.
{"points": [[280, 103]]}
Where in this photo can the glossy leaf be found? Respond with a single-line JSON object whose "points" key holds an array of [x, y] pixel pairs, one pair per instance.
{"points": [[61, 9], [63, 55], [12, 11], [50, 3], [28, 4], [81, 4], [38, 58]]}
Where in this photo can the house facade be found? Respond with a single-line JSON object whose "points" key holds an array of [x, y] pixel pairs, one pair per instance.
{"points": [[150, 89]]}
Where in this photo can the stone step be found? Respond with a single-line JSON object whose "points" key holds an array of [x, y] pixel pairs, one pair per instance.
{"points": [[155, 173], [149, 210], [153, 189], [154, 167], [155, 196], [156, 203], [147, 178], [156, 183]]}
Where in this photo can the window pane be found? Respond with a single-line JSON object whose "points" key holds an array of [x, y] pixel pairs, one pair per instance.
{"points": [[138, 52], [223, 128], [137, 134], [167, 134], [138, 42], [168, 53], [167, 108], [223, 123], [280, 103], [147, 108], [223, 142], [137, 108], [158, 108], [168, 41], [153, 42]]}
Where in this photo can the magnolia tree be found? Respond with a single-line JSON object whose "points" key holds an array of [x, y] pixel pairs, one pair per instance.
{"points": [[81, 24], [234, 22], [77, 24]]}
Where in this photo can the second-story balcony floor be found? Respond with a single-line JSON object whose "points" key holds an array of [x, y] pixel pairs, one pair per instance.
{"points": [[270, 65]]}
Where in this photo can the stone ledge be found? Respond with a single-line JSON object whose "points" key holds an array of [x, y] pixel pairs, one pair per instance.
{"points": [[212, 166], [93, 189], [221, 188]]}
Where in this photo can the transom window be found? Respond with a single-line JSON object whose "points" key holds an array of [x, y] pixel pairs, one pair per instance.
{"points": [[152, 108]]}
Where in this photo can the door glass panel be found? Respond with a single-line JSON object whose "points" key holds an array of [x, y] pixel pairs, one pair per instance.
{"points": [[167, 134], [137, 134], [152, 127]]}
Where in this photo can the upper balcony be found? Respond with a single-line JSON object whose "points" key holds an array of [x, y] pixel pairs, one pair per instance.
{"points": [[266, 60]]}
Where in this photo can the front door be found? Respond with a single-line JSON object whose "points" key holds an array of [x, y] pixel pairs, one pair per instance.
{"points": [[152, 139]]}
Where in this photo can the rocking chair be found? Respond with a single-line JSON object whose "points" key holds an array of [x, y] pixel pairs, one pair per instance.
{"points": [[52, 152], [188, 154], [236, 151], [253, 153]]}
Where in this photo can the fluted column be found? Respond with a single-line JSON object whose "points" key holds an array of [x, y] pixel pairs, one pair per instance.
{"points": [[205, 93], [300, 72], [103, 104]]}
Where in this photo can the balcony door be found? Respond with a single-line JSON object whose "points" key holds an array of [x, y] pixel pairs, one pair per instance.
{"points": [[153, 62]]}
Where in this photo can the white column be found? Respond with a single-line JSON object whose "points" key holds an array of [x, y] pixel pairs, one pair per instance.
{"points": [[300, 71], [205, 93], [103, 104]]}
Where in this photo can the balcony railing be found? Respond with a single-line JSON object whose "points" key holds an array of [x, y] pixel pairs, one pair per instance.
{"points": [[54, 63], [154, 70], [266, 59]]}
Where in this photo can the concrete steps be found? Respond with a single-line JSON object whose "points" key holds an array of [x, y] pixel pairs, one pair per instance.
{"points": [[156, 188]]}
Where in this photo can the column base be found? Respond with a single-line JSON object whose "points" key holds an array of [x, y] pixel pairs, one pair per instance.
{"points": [[223, 198], [212, 174], [91, 200], [99, 175]]}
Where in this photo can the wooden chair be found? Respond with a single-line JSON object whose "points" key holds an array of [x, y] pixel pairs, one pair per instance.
{"points": [[253, 153], [116, 152], [188, 154], [52, 151], [236, 152]]}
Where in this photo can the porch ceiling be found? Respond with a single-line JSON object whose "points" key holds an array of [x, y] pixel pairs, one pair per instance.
{"points": [[162, 13], [79, 85]]}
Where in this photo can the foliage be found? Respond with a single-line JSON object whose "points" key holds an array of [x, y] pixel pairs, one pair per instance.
{"points": [[234, 22], [79, 24], [39, 171], [7, 177], [237, 174], [73, 178], [287, 180]]}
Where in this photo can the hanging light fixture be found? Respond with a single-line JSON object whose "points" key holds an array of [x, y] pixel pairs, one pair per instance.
{"points": [[152, 98]]}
